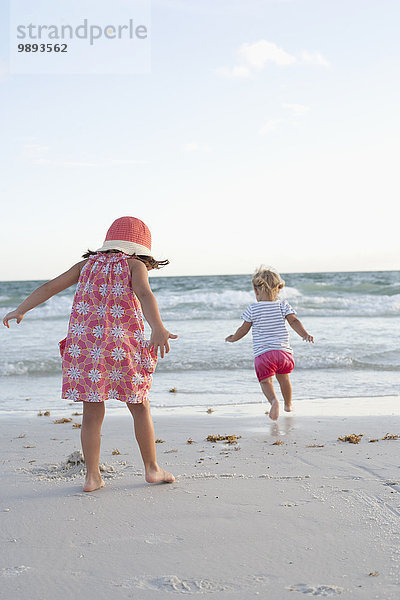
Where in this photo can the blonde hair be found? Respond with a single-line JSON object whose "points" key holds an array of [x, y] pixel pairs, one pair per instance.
{"points": [[269, 281]]}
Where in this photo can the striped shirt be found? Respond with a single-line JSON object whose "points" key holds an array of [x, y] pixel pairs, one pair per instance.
{"points": [[268, 320]]}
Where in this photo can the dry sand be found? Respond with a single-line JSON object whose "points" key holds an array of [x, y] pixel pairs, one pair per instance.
{"points": [[309, 516]]}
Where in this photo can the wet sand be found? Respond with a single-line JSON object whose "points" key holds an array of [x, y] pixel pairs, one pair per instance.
{"points": [[286, 510]]}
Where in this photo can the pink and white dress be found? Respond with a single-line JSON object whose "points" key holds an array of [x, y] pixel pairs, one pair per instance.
{"points": [[105, 354]]}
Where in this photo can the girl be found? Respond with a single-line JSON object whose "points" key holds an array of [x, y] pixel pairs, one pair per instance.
{"points": [[105, 354], [273, 354]]}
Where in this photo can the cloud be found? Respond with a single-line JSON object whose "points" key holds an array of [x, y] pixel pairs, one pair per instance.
{"points": [[313, 58], [271, 125], [254, 58], [44, 162], [297, 109], [38, 154], [196, 147], [34, 151], [127, 161], [257, 55], [191, 147]]}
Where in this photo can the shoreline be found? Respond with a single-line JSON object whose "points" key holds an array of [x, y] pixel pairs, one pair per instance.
{"points": [[330, 406]]}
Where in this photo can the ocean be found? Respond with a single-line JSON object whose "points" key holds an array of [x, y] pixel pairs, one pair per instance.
{"points": [[353, 316]]}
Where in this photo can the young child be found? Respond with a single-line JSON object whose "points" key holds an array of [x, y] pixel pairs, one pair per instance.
{"points": [[105, 354], [272, 352]]}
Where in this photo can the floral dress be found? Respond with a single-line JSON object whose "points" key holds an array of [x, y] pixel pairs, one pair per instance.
{"points": [[105, 354]]}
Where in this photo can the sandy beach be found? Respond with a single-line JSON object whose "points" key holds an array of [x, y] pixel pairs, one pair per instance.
{"points": [[285, 511]]}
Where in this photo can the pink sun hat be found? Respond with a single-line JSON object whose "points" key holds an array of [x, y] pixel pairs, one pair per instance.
{"points": [[129, 235]]}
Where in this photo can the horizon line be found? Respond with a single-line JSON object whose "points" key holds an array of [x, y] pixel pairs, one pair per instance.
{"points": [[238, 274]]}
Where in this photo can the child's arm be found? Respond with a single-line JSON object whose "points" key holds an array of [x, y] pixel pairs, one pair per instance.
{"points": [[239, 333], [140, 286], [297, 325], [44, 292]]}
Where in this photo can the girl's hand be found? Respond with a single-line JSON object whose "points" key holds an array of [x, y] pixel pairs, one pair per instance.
{"points": [[241, 332], [13, 315], [308, 338], [159, 340]]}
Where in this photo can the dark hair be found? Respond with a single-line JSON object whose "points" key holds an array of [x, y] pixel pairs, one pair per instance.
{"points": [[149, 261]]}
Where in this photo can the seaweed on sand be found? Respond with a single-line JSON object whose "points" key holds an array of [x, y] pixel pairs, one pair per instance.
{"points": [[228, 439], [353, 438]]}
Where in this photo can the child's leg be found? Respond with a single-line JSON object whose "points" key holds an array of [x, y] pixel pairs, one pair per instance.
{"points": [[267, 387], [93, 415], [144, 432], [286, 389]]}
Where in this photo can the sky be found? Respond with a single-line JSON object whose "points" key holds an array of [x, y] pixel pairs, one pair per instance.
{"points": [[266, 132]]}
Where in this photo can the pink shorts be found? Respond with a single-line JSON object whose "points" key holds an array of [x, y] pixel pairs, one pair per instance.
{"points": [[272, 362]]}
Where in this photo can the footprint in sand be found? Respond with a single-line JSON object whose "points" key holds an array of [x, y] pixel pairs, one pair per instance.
{"points": [[73, 466], [316, 590], [173, 583], [162, 538], [13, 571]]}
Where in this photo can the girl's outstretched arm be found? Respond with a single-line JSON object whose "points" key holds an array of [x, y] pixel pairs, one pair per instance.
{"points": [[239, 333], [297, 325], [141, 288], [44, 292]]}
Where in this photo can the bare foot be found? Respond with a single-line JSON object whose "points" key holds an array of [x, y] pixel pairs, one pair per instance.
{"points": [[274, 412], [288, 407], [93, 483], [158, 475]]}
